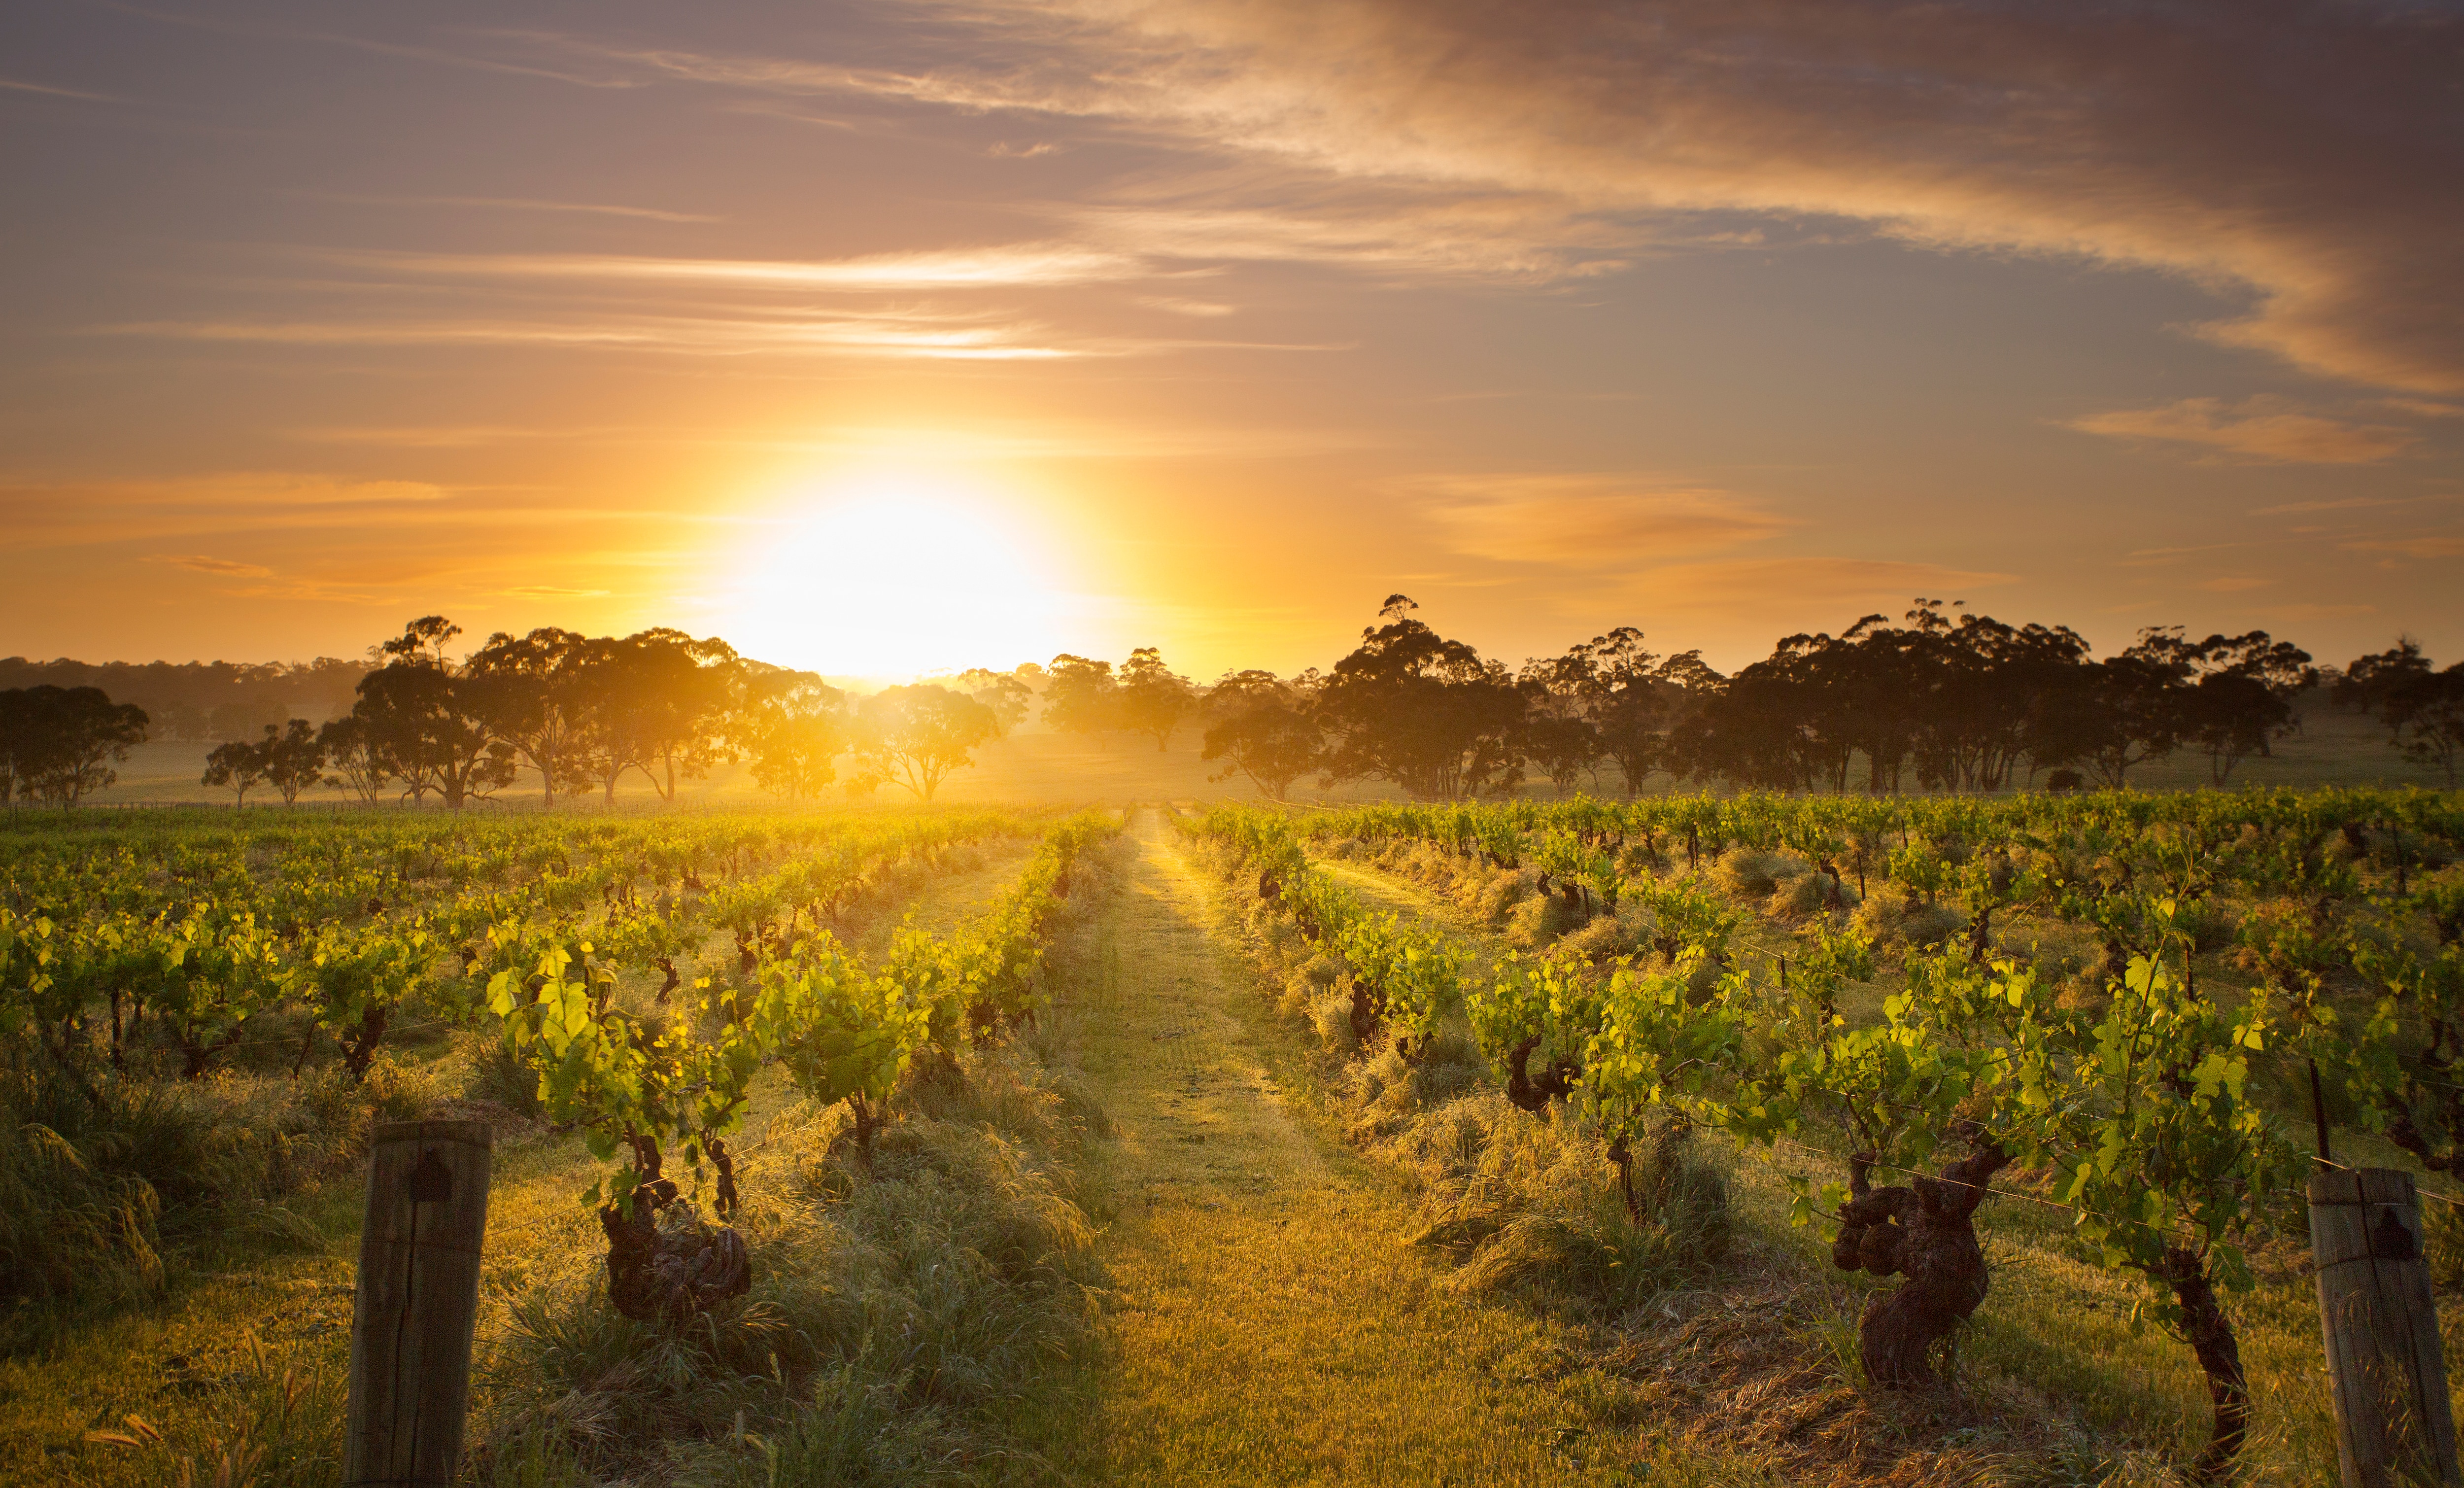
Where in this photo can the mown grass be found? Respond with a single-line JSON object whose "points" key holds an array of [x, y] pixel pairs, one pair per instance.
{"points": [[1273, 1321]]}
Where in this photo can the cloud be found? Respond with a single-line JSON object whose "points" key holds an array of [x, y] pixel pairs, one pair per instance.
{"points": [[2233, 583], [551, 592], [47, 90], [2338, 504], [1204, 309], [2436, 545], [2258, 429], [1786, 585], [913, 335], [223, 566], [2289, 154], [2166, 557], [200, 507], [1587, 520], [513, 204], [1002, 264]]}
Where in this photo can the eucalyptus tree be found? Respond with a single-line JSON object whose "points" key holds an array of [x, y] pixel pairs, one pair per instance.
{"points": [[424, 718], [791, 723], [1081, 696], [522, 686], [1263, 729], [1430, 714], [915, 736], [58, 744], [1154, 699]]}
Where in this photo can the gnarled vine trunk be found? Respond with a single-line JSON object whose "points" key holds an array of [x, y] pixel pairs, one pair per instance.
{"points": [[1924, 1233], [671, 1271], [1531, 1092], [2211, 1336]]}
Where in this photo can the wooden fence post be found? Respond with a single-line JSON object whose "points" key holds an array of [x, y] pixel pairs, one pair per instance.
{"points": [[417, 1303], [2394, 1425]]}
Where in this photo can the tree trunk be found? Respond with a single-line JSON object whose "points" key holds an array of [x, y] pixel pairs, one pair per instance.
{"points": [[1924, 1233], [2211, 1337]]}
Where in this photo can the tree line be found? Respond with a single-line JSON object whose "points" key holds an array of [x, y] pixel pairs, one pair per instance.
{"points": [[1942, 698], [205, 699], [584, 712]]}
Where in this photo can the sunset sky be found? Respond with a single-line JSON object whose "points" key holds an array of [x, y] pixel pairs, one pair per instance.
{"points": [[886, 338]]}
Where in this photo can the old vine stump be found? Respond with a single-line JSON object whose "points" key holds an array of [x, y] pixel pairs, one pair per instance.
{"points": [[1924, 1235]]}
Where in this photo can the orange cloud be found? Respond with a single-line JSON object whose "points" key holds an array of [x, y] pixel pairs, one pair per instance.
{"points": [[2165, 139], [1588, 521], [223, 566], [2434, 547], [2257, 428]]}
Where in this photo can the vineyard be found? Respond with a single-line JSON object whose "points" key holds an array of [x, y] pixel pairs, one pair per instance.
{"points": [[1717, 1140], [2150, 1016], [204, 1021]]}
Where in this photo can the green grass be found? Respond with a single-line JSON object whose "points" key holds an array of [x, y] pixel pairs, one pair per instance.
{"points": [[1270, 1323]]}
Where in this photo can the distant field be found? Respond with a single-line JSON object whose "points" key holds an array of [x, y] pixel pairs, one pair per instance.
{"points": [[2333, 748]]}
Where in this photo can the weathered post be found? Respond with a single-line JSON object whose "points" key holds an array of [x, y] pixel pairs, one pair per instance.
{"points": [[2393, 1424], [417, 1303]]}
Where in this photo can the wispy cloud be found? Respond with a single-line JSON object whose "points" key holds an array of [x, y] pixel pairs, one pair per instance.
{"points": [[962, 268], [2320, 210], [513, 204], [221, 566], [1586, 520], [2431, 546], [53, 91], [2341, 503], [2257, 428], [882, 337]]}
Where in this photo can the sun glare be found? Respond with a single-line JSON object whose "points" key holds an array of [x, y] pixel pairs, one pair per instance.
{"points": [[896, 576]]}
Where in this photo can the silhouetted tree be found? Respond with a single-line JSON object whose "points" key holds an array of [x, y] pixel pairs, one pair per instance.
{"points": [[1427, 713], [1081, 697], [1263, 729], [1152, 699], [523, 689], [915, 736], [2111, 715], [1006, 692], [237, 766], [353, 749], [2422, 708], [791, 727], [425, 723], [58, 744], [294, 759]]}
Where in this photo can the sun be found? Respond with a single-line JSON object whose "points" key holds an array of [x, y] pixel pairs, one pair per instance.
{"points": [[894, 575]]}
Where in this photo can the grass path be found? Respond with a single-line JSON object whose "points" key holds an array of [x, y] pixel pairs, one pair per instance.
{"points": [[1272, 1326]]}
